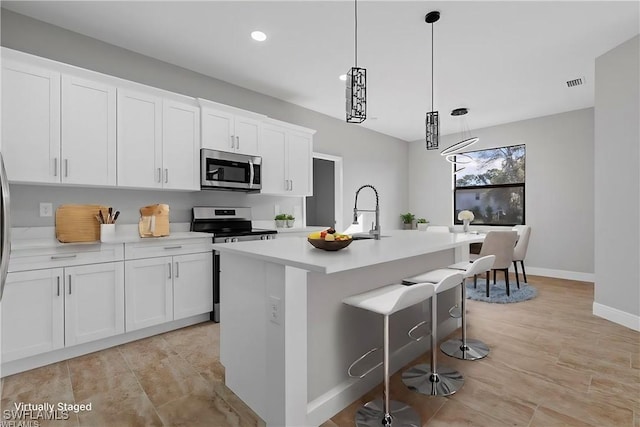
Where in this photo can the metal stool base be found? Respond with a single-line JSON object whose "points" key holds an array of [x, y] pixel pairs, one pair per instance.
{"points": [[474, 350], [372, 415], [419, 378]]}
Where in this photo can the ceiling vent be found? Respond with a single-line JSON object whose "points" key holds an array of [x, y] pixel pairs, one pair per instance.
{"points": [[575, 82]]}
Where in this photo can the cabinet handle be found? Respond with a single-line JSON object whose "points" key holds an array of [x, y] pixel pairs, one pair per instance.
{"points": [[63, 256], [66, 168], [69, 284], [291, 181], [238, 142], [166, 176], [173, 247], [232, 141], [55, 166], [159, 174], [58, 280], [177, 270], [169, 265]]}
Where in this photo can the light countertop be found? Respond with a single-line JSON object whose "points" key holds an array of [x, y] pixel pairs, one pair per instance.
{"points": [[399, 244]]}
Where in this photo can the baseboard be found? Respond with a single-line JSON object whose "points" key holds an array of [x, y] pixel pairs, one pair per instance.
{"points": [[339, 397], [620, 317], [558, 274]]}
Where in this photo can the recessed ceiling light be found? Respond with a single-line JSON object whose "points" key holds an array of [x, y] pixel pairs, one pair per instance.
{"points": [[343, 77], [258, 36]]}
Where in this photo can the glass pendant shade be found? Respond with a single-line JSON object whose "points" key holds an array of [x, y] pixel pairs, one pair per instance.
{"points": [[432, 130], [356, 95]]}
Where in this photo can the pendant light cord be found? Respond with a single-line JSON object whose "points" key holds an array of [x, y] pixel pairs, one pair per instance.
{"points": [[355, 14], [432, 67]]}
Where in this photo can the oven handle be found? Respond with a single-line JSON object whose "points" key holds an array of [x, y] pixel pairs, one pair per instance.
{"points": [[251, 174]]}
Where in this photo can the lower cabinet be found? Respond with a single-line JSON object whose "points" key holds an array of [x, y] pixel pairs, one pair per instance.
{"points": [[162, 289], [44, 310]]}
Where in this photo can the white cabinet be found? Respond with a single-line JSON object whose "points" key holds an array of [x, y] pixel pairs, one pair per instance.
{"points": [[287, 156], [94, 302], [158, 142], [32, 313], [30, 122], [180, 146], [44, 310], [160, 289], [88, 155], [229, 131], [192, 285]]}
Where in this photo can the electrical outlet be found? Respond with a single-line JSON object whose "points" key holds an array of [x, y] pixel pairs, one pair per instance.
{"points": [[274, 309], [46, 209]]}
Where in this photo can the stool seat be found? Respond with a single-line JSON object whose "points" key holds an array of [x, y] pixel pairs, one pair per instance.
{"points": [[391, 298], [433, 276], [462, 265]]}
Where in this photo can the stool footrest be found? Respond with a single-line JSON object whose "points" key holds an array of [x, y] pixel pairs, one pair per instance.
{"points": [[424, 322], [358, 360]]}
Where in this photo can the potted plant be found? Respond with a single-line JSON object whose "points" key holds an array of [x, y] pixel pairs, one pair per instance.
{"points": [[422, 224], [290, 220], [407, 220], [281, 220]]}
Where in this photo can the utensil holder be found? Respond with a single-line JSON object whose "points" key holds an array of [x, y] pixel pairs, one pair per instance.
{"points": [[107, 232]]}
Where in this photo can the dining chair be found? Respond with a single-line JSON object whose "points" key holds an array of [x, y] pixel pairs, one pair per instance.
{"points": [[501, 244], [520, 250]]}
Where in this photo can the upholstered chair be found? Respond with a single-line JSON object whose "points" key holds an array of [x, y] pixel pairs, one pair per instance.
{"points": [[520, 250]]}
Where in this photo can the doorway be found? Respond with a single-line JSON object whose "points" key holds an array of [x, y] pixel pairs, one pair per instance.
{"points": [[324, 208]]}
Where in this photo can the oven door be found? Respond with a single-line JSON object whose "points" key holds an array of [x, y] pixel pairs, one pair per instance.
{"points": [[215, 314], [229, 171]]}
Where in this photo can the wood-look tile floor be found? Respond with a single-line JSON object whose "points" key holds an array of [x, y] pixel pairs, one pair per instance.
{"points": [[552, 363]]}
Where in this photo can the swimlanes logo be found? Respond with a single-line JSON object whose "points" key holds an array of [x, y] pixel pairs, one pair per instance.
{"points": [[32, 414]]}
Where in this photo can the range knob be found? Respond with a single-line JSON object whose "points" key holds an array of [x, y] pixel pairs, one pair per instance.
{"points": [[235, 239], [228, 240], [264, 237]]}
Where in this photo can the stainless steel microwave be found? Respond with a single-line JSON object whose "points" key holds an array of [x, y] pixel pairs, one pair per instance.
{"points": [[220, 170]]}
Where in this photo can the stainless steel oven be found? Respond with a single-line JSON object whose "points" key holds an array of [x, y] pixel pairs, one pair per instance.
{"points": [[226, 225], [220, 170]]}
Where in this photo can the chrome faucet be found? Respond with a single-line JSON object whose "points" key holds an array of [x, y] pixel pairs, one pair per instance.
{"points": [[375, 230]]}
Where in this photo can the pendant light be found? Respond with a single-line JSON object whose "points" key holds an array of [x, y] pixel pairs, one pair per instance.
{"points": [[453, 154], [432, 120], [356, 90]]}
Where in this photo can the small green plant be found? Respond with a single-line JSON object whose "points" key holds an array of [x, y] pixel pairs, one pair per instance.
{"points": [[408, 218], [422, 221], [281, 217], [290, 218]]}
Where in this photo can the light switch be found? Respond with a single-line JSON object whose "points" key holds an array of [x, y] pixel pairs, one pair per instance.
{"points": [[46, 209]]}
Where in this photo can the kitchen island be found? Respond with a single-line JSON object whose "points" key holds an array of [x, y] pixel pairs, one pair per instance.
{"points": [[286, 339]]}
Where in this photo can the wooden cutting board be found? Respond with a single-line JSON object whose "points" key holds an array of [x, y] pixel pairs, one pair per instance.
{"points": [[78, 223], [154, 221]]}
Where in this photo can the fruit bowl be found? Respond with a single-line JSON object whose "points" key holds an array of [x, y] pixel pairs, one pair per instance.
{"points": [[335, 245]]}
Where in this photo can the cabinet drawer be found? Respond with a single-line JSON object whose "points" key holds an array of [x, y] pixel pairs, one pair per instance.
{"points": [[39, 258], [155, 248]]}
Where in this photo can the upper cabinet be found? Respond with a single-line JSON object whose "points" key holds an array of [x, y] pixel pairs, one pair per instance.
{"points": [[30, 122], [230, 129], [180, 145], [287, 159]]}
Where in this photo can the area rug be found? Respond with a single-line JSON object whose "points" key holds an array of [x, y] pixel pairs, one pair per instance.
{"points": [[498, 292]]}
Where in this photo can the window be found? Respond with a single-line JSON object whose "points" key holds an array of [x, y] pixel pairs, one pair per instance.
{"points": [[491, 185]]}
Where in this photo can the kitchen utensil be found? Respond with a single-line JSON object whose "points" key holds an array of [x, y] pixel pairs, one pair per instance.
{"points": [[77, 223]]}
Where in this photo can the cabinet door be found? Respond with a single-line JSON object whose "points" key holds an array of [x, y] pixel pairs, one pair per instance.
{"points": [[247, 133], [94, 302], [272, 150], [139, 140], [88, 132], [181, 146], [32, 313], [30, 122], [192, 285], [217, 130], [148, 292], [300, 164]]}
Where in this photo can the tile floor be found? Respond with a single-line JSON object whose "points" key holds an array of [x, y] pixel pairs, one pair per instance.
{"points": [[552, 363]]}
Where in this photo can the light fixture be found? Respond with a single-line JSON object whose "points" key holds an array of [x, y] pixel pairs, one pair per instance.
{"points": [[453, 154], [258, 36], [356, 86], [432, 120]]}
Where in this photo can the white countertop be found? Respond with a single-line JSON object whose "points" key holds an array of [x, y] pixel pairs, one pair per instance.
{"points": [[24, 238], [400, 244]]}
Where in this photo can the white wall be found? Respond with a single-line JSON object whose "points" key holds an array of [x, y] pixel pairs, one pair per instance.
{"points": [[369, 157], [617, 184], [558, 192]]}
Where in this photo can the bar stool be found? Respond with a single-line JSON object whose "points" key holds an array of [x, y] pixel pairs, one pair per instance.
{"points": [[431, 379], [386, 301], [464, 348]]}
